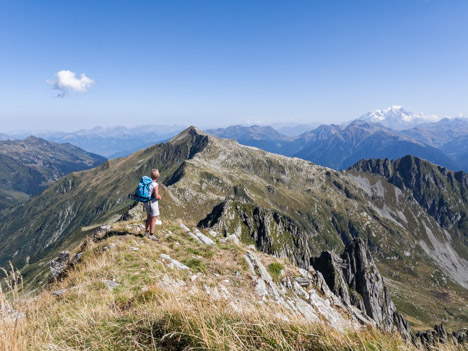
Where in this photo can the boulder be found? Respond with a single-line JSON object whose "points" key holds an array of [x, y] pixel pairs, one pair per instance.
{"points": [[59, 265]]}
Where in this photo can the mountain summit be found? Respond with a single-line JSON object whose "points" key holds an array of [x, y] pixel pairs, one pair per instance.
{"points": [[396, 117]]}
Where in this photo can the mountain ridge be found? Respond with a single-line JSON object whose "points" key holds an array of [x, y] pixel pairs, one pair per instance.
{"points": [[29, 166], [295, 207]]}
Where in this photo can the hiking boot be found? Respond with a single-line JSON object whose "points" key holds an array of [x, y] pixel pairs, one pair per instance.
{"points": [[153, 237]]}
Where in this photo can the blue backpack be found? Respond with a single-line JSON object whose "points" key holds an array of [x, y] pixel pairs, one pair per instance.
{"points": [[142, 193]]}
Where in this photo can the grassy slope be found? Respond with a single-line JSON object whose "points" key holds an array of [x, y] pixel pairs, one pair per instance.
{"points": [[61, 215], [159, 308]]}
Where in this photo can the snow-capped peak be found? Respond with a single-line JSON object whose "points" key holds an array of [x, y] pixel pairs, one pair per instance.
{"points": [[396, 117]]}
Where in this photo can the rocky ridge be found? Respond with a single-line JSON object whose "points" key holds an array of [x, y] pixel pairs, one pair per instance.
{"points": [[308, 294], [225, 271]]}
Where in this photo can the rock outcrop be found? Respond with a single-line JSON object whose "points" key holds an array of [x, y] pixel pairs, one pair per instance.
{"points": [[59, 265], [299, 299], [429, 339], [354, 277], [270, 231]]}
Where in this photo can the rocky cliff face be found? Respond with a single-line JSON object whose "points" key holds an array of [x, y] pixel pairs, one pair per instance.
{"points": [[355, 278], [270, 231], [441, 192]]}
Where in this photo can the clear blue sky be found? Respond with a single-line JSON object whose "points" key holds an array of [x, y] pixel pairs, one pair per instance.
{"points": [[213, 63]]}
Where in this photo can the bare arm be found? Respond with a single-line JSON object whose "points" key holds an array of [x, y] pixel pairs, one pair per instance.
{"points": [[156, 193]]}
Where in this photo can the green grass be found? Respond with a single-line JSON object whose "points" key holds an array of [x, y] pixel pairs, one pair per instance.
{"points": [[195, 264], [275, 269]]}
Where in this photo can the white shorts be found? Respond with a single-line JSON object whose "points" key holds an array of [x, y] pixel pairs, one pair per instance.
{"points": [[151, 208]]}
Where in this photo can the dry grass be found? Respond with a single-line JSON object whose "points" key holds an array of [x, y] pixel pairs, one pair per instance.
{"points": [[10, 327], [143, 313]]}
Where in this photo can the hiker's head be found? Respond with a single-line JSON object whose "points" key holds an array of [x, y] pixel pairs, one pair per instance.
{"points": [[155, 174]]}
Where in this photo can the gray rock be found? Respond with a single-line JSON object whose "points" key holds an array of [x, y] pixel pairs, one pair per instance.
{"points": [[194, 237], [230, 238], [303, 272], [60, 292], [355, 278], [203, 238], [10, 314], [174, 263], [306, 310], [59, 265], [250, 264], [300, 291], [171, 284], [287, 283], [258, 266], [331, 266], [304, 282], [101, 232], [77, 258], [184, 227], [430, 339], [109, 247], [135, 213], [111, 284]]}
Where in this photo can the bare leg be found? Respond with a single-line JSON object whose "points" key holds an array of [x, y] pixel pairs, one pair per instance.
{"points": [[148, 223], [153, 223]]}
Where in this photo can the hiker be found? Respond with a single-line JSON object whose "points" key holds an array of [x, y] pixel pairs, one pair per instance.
{"points": [[152, 207]]}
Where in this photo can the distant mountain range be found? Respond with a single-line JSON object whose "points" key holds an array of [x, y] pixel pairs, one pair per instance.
{"points": [[362, 140], [340, 146], [29, 166], [396, 117], [439, 133], [294, 129], [111, 142], [4, 137], [389, 133]]}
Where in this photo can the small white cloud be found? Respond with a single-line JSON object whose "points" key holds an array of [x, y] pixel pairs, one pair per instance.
{"points": [[66, 81]]}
